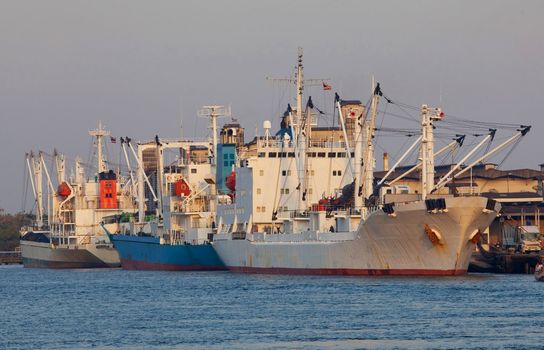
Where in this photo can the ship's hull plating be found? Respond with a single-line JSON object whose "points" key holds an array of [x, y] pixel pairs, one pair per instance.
{"points": [[43, 255], [146, 253], [383, 245]]}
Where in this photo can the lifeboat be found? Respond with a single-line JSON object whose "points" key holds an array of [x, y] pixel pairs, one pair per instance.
{"points": [[230, 182], [182, 188], [64, 190]]}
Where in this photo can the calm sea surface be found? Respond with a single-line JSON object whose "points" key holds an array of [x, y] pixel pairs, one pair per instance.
{"points": [[111, 309]]}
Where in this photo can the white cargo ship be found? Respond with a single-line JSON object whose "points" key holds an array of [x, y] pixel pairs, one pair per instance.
{"points": [[67, 232], [278, 219]]}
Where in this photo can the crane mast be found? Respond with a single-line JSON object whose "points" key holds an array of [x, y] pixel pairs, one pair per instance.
{"points": [[428, 117], [368, 144], [99, 135]]}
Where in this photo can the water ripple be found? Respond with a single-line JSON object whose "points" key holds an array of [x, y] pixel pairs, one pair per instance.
{"points": [[116, 309]]}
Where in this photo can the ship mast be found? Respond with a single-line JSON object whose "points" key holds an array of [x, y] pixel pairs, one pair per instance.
{"points": [[427, 148], [38, 181], [300, 127], [357, 159], [141, 178], [368, 144], [80, 172], [160, 175], [214, 112], [50, 190], [141, 189], [60, 167], [301, 138], [99, 135], [35, 175], [300, 85]]}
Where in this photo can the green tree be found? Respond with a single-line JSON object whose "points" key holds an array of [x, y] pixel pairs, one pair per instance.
{"points": [[10, 225]]}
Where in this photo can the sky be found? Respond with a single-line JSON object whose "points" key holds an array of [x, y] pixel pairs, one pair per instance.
{"points": [[143, 66]]}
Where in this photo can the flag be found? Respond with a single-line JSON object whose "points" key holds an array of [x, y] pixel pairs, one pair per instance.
{"points": [[326, 87], [113, 139]]}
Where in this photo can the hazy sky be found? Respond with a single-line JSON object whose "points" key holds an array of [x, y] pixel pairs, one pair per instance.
{"points": [[139, 65]]}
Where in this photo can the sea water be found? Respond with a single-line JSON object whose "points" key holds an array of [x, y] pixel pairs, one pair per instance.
{"points": [[117, 309]]}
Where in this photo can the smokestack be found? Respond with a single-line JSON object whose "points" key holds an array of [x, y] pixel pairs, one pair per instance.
{"points": [[385, 161]]}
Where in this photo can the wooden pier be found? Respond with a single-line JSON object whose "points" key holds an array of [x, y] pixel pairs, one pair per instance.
{"points": [[10, 257]]}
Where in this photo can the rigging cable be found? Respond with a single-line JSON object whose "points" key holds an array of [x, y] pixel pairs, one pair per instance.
{"points": [[514, 146], [383, 114]]}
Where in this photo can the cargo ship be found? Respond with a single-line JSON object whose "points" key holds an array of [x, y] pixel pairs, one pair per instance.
{"points": [[175, 230], [67, 232], [302, 204]]}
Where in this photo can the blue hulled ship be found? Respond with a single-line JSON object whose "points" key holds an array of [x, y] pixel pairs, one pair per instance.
{"points": [[148, 253], [177, 196]]}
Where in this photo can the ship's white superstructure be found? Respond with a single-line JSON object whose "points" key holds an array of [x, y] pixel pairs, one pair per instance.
{"points": [[184, 196]]}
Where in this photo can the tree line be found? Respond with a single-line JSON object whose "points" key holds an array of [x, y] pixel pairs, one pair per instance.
{"points": [[10, 224]]}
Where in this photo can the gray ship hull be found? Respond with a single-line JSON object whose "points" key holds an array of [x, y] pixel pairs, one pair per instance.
{"points": [[43, 255], [385, 244]]}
